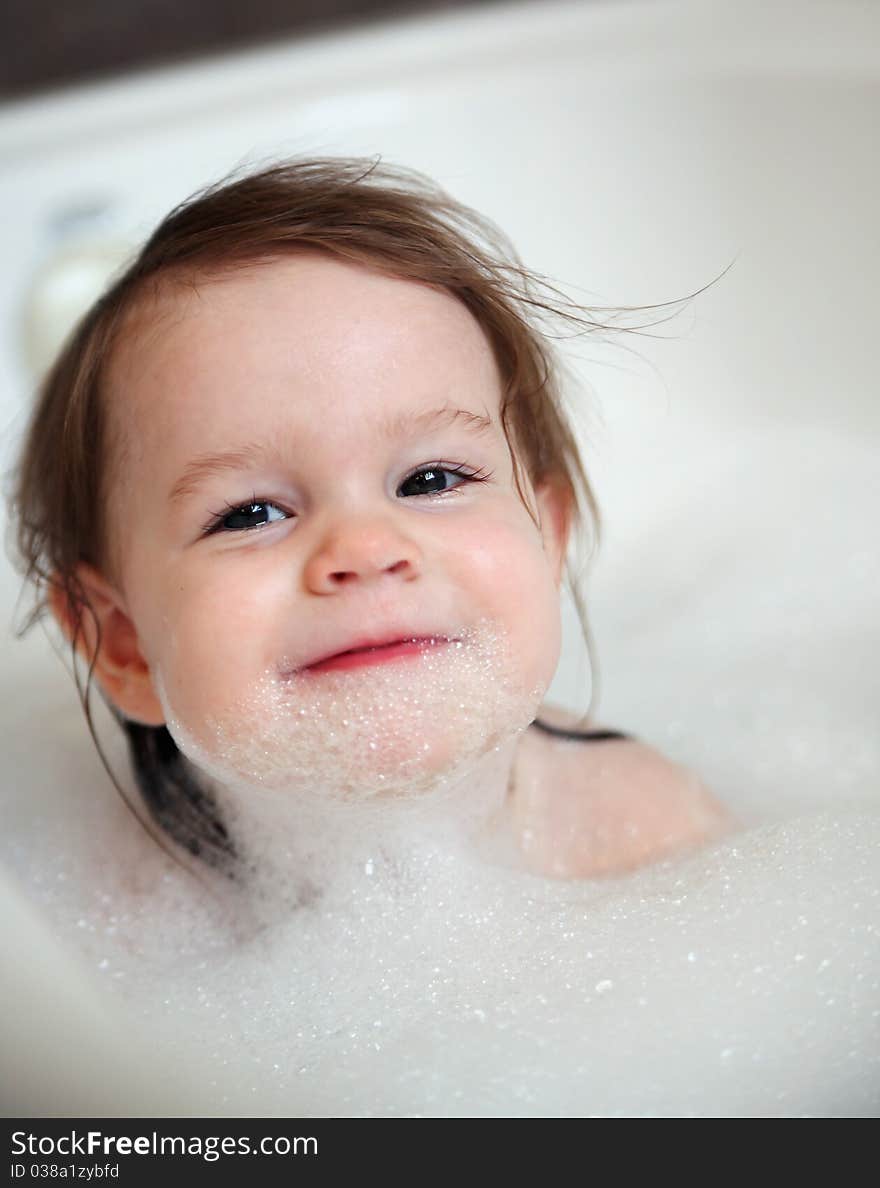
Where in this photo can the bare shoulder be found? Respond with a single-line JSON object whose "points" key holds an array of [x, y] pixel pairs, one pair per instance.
{"points": [[586, 809]]}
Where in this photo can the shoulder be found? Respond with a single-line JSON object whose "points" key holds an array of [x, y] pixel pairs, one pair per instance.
{"points": [[586, 809]]}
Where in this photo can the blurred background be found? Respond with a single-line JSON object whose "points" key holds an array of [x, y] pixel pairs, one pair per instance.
{"points": [[49, 43]]}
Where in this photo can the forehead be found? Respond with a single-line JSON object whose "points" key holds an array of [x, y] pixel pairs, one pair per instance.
{"points": [[307, 333]]}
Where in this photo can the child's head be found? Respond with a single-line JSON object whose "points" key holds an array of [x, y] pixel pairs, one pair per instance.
{"points": [[308, 415]]}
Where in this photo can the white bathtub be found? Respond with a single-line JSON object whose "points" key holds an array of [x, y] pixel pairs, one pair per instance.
{"points": [[632, 151]]}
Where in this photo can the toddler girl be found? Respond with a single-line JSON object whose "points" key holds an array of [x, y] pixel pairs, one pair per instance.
{"points": [[299, 489]]}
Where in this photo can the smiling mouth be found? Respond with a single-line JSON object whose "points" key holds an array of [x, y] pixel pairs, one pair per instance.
{"points": [[383, 654]]}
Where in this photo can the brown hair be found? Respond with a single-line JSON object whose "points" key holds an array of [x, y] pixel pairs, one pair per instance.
{"points": [[385, 217]]}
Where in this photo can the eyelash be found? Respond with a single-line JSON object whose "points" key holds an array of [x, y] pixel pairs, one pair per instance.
{"points": [[473, 476]]}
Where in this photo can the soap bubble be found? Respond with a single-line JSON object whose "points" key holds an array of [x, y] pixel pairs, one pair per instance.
{"points": [[389, 729]]}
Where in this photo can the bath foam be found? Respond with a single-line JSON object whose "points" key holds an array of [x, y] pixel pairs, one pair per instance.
{"points": [[380, 730], [718, 983], [744, 979]]}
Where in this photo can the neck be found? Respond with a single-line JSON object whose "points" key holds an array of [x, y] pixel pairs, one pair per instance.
{"points": [[303, 844]]}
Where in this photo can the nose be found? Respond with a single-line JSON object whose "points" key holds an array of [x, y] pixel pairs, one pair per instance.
{"points": [[361, 550]]}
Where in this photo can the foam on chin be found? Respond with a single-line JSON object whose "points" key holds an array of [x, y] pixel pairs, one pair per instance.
{"points": [[376, 731]]}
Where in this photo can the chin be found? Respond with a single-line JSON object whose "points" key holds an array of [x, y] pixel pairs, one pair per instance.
{"points": [[419, 762], [395, 732]]}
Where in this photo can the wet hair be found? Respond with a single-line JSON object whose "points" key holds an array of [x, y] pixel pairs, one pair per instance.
{"points": [[383, 216]]}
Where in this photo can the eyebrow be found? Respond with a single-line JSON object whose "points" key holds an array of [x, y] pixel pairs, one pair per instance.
{"points": [[207, 466]]}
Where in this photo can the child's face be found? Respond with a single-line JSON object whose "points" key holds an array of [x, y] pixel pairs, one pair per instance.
{"points": [[322, 376]]}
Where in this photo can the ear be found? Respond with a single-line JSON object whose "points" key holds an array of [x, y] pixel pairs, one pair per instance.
{"points": [[120, 667], [555, 506]]}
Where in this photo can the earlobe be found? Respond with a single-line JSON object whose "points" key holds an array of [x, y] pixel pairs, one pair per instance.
{"points": [[555, 507], [120, 667]]}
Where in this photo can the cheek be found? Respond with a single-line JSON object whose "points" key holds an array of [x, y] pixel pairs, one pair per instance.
{"points": [[508, 571], [216, 628]]}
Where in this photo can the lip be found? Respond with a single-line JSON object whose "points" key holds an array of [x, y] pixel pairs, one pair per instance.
{"points": [[371, 652]]}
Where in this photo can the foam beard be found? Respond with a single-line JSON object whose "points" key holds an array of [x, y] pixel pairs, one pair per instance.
{"points": [[402, 726]]}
